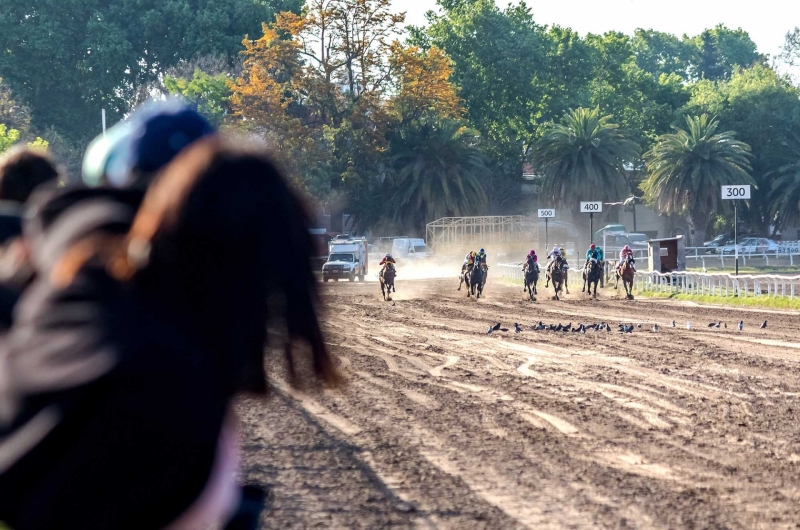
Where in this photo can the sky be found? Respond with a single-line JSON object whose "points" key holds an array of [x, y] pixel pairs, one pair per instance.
{"points": [[767, 21]]}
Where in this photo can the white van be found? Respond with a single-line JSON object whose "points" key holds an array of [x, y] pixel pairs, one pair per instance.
{"points": [[409, 247]]}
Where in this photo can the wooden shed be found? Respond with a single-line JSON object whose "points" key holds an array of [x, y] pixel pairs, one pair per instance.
{"points": [[667, 254]]}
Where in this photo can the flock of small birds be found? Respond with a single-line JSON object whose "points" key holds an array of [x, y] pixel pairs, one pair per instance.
{"points": [[602, 326]]}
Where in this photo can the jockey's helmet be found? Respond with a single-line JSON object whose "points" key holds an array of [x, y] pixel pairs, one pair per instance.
{"points": [[388, 255], [626, 247], [593, 246], [532, 253], [482, 251]]}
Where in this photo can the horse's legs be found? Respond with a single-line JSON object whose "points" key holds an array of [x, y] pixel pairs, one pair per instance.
{"points": [[585, 280]]}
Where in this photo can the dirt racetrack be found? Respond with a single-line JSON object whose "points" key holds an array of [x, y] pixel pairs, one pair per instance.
{"points": [[444, 426]]}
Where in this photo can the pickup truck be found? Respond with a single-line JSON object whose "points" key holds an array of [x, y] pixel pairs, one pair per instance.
{"points": [[346, 260]]}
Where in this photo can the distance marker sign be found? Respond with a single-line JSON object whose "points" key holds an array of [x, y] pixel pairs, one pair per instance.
{"points": [[591, 207], [741, 191], [547, 213]]}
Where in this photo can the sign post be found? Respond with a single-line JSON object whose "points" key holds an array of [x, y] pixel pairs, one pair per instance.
{"points": [[546, 213], [591, 208], [735, 193], [103, 118]]}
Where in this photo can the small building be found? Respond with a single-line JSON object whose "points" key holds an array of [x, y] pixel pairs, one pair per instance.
{"points": [[667, 254]]}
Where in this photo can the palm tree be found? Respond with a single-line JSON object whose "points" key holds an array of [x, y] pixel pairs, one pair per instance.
{"points": [[439, 167], [688, 167], [583, 158], [785, 195]]}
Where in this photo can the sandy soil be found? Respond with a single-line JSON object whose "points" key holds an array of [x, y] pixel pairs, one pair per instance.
{"points": [[444, 426]]}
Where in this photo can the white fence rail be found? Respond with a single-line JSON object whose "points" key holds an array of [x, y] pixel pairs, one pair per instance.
{"points": [[701, 257], [719, 284], [696, 283]]}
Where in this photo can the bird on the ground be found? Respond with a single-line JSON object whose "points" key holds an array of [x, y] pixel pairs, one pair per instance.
{"points": [[493, 328], [517, 328], [655, 328], [559, 327], [639, 325], [718, 324], [608, 329], [711, 325], [674, 324], [603, 325], [504, 330], [583, 329], [688, 325], [566, 329], [628, 329], [741, 325], [764, 325], [553, 327]]}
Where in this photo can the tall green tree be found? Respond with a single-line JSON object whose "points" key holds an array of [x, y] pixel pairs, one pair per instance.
{"points": [[67, 59], [439, 167], [499, 58], [784, 197], [688, 167], [583, 155], [716, 52], [762, 108]]}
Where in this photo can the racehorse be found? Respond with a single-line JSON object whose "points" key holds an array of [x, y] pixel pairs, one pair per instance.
{"points": [[477, 278], [556, 274], [592, 274], [628, 270], [387, 282], [464, 278], [531, 277]]}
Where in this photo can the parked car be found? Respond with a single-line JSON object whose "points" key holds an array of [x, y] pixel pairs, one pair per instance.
{"points": [[719, 241], [410, 247], [638, 241], [598, 236], [751, 245]]}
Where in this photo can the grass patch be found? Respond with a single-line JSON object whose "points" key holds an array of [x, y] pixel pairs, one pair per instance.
{"points": [[766, 302]]}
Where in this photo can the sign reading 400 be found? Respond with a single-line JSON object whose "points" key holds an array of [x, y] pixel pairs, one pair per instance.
{"points": [[591, 207]]}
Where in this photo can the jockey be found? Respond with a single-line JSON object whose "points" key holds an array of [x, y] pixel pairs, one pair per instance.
{"points": [[594, 252], [469, 260], [555, 252], [387, 262], [623, 254], [531, 261], [480, 257]]}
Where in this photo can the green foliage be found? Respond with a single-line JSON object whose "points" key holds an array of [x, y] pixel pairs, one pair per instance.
{"points": [[688, 167], [209, 94], [716, 52], [500, 62], [439, 168], [584, 152], [8, 137], [785, 194], [67, 59], [762, 108]]}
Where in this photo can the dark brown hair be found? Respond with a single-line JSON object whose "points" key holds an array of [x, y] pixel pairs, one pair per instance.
{"points": [[218, 235], [22, 170]]}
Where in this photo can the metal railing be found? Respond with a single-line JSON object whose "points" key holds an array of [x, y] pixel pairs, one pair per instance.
{"points": [[697, 283], [703, 257]]}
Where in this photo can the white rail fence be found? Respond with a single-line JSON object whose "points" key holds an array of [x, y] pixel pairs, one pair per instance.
{"points": [[696, 283], [719, 284], [783, 256]]}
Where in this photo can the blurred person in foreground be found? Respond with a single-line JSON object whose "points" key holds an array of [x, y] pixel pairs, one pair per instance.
{"points": [[118, 376], [117, 169], [22, 170]]}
